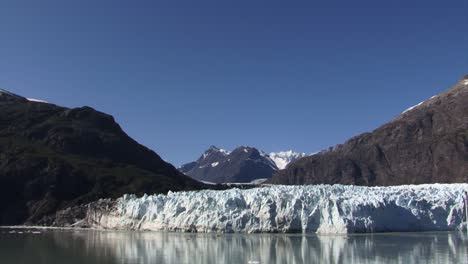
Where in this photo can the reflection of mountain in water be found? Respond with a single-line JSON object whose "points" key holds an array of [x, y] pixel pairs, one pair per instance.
{"points": [[210, 248], [148, 247]]}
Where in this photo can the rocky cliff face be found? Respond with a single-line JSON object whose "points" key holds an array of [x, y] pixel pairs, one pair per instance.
{"points": [[427, 143], [53, 157]]}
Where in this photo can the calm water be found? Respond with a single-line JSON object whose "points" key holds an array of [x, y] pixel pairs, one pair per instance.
{"points": [[85, 246]]}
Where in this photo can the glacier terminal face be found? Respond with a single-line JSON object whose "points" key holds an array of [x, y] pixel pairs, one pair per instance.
{"points": [[322, 209]]}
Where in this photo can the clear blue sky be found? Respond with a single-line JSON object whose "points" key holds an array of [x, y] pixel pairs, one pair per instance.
{"points": [[180, 76]]}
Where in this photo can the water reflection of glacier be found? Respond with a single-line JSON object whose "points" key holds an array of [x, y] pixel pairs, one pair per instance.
{"points": [[148, 247]]}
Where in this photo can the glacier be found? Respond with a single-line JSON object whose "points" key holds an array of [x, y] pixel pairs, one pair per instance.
{"points": [[323, 209]]}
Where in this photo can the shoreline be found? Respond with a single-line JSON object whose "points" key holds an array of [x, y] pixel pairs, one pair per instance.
{"points": [[234, 234]]}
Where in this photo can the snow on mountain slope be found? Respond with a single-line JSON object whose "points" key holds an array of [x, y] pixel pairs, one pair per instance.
{"points": [[242, 165], [283, 158], [318, 208], [36, 100], [463, 82], [419, 104]]}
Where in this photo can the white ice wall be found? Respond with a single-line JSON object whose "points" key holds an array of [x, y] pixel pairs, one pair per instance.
{"points": [[319, 208]]}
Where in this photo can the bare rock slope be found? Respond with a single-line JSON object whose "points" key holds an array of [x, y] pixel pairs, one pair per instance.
{"points": [[427, 143]]}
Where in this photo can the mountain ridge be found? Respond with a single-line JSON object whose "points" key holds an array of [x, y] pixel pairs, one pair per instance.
{"points": [[52, 157], [427, 143], [240, 165]]}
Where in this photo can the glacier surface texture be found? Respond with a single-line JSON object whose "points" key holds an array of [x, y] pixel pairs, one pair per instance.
{"points": [[306, 209]]}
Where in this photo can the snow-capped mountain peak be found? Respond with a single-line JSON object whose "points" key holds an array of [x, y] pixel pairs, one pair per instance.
{"points": [[213, 150], [283, 158], [242, 164]]}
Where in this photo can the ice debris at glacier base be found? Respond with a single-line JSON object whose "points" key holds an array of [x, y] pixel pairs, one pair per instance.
{"points": [[308, 209]]}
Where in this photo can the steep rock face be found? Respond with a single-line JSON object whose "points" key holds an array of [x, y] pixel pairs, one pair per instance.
{"points": [[427, 143], [52, 157], [243, 165]]}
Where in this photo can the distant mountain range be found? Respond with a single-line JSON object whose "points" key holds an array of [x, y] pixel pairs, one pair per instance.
{"points": [[427, 143], [242, 165], [53, 157]]}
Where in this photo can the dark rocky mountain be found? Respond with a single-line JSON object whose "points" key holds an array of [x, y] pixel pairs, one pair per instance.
{"points": [[53, 157], [428, 143], [243, 165]]}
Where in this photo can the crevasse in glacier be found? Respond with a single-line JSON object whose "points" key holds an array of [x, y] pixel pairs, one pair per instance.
{"points": [[308, 209]]}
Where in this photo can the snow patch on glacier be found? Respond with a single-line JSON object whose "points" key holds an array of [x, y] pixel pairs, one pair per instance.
{"points": [[307, 209]]}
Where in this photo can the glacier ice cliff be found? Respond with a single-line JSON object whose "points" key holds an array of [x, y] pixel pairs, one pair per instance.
{"points": [[307, 209]]}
